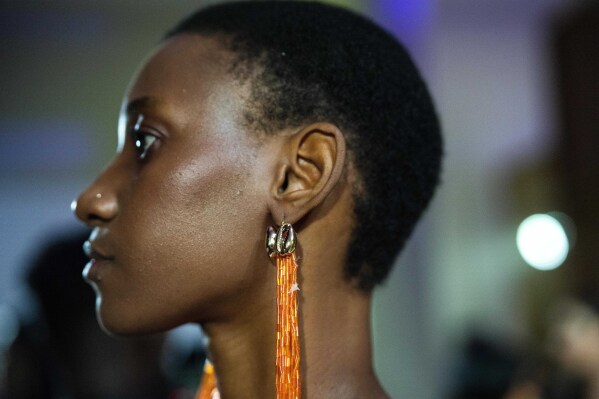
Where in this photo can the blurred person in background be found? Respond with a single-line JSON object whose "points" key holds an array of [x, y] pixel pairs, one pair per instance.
{"points": [[574, 339], [491, 368], [64, 354]]}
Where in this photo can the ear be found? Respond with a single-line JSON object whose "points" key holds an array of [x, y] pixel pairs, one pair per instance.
{"points": [[309, 167]]}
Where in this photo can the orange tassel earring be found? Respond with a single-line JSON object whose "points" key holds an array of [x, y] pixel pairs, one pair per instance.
{"points": [[281, 246]]}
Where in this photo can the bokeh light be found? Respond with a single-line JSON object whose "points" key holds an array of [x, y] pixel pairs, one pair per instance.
{"points": [[542, 241]]}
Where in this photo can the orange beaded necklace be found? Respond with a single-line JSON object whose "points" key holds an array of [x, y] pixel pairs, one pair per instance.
{"points": [[208, 389]]}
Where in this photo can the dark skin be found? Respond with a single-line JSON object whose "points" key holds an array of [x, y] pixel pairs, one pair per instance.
{"points": [[180, 221]]}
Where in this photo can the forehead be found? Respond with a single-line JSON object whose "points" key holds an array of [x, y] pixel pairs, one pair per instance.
{"points": [[185, 71]]}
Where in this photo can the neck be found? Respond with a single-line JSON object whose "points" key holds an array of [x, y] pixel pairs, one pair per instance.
{"points": [[242, 347], [335, 346], [334, 322], [336, 350]]}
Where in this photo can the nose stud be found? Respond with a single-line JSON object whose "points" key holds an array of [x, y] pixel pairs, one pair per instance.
{"points": [[99, 195]]}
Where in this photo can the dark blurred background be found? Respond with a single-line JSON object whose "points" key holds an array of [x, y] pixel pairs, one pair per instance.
{"points": [[464, 315]]}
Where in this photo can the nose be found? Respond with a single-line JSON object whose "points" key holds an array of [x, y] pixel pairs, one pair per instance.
{"points": [[97, 204]]}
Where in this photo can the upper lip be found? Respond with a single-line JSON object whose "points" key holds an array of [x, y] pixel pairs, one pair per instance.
{"points": [[92, 252]]}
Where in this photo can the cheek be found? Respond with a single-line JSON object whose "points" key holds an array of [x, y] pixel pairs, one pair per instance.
{"points": [[206, 216], [190, 238]]}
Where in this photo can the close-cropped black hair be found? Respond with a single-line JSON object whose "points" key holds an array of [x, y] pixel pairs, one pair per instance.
{"points": [[319, 63]]}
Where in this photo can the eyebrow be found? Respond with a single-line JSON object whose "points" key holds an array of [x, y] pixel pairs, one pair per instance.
{"points": [[142, 102]]}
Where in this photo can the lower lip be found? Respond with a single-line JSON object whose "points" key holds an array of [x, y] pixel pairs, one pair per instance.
{"points": [[91, 272]]}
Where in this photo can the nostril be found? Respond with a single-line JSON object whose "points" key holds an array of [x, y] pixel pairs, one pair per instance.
{"points": [[92, 217], [87, 209], [94, 208]]}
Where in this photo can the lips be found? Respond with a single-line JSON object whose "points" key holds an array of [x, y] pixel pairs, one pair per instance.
{"points": [[93, 252], [98, 259]]}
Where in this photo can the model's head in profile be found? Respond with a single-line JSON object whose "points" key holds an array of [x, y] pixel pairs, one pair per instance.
{"points": [[248, 114]]}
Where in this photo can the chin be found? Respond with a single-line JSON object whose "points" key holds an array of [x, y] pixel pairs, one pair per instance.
{"points": [[108, 323], [125, 328], [118, 322]]}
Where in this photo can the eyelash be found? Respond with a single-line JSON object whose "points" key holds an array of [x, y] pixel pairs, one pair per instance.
{"points": [[142, 140]]}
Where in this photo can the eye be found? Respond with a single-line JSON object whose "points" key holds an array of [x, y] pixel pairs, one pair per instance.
{"points": [[142, 140]]}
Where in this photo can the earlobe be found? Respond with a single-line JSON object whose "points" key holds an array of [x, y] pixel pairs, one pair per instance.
{"points": [[311, 164]]}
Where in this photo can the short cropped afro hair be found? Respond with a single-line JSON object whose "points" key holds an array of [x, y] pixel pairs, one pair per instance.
{"points": [[316, 63]]}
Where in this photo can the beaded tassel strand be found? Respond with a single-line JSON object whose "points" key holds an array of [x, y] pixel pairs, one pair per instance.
{"points": [[288, 349]]}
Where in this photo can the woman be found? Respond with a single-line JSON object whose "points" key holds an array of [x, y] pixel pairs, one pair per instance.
{"points": [[250, 115]]}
